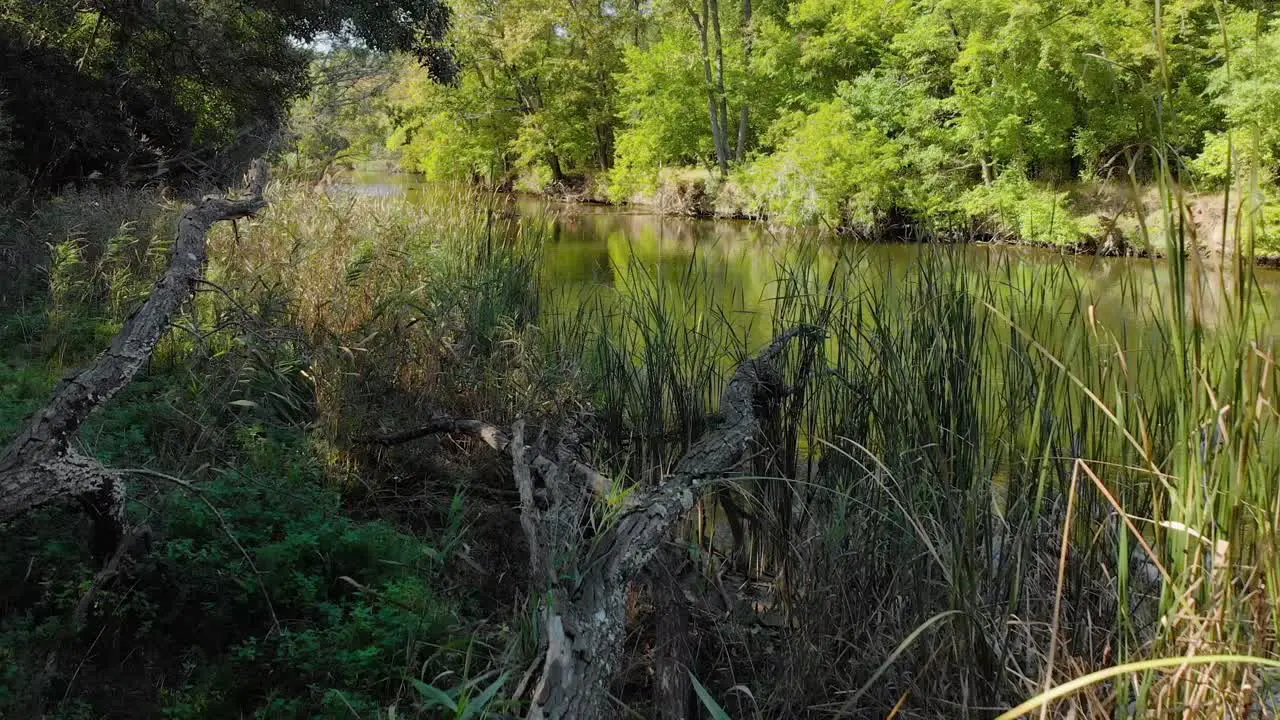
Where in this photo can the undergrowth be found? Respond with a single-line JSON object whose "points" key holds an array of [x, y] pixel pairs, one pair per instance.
{"points": [[284, 573], [987, 485]]}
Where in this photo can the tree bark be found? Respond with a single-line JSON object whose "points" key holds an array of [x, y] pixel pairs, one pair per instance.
{"points": [[557, 172], [604, 146], [584, 622], [744, 115], [39, 465], [672, 653], [581, 581], [717, 122], [722, 95], [444, 424]]}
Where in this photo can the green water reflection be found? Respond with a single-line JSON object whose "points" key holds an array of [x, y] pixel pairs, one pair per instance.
{"points": [[592, 251]]}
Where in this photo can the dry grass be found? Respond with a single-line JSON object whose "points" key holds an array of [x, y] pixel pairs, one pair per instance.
{"points": [[981, 492]]}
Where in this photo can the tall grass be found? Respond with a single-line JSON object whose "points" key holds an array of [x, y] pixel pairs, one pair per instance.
{"points": [[964, 421], [326, 319], [407, 309], [989, 483]]}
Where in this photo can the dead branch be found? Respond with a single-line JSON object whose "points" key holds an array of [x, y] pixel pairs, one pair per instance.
{"points": [[444, 425], [583, 583], [584, 620], [39, 465]]}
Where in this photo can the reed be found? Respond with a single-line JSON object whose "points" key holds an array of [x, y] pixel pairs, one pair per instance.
{"points": [[988, 484], [975, 443]]}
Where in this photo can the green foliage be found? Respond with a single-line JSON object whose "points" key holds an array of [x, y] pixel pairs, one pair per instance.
{"points": [[463, 701], [663, 103], [851, 160], [259, 595], [1016, 206], [448, 132], [352, 599], [125, 91], [536, 97], [854, 114], [342, 120], [1247, 89], [264, 589], [334, 636], [708, 702]]}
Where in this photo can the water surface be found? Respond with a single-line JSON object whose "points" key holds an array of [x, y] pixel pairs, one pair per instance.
{"points": [[735, 265]]}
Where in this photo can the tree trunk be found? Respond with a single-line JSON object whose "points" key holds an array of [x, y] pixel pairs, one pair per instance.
{"points": [[636, 23], [722, 96], [585, 621], [717, 122], [585, 579], [743, 120], [604, 145], [672, 653], [744, 114], [39, 465], [557, 173]]}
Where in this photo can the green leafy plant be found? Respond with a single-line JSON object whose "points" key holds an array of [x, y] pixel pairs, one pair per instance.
{"points": [[708, 702], [466, 700]]}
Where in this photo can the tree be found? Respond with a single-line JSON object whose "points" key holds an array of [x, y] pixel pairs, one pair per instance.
{"points": [[142, 90], [343, 115], [537, 89], [1247, 90], [40, 465]]}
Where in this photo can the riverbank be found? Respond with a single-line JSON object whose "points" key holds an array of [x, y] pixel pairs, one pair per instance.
{"points": [[1109, 219]]}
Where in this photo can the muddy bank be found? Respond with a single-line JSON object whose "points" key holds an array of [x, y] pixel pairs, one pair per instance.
{"points": [[1126, 222]]}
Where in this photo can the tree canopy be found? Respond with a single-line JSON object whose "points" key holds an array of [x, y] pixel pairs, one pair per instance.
{"points": [[164, 89], [845, 110]]}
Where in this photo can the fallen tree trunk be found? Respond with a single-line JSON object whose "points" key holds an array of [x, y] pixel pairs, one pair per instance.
{"points": [[39, 465], [582, 581], [672, 649], [585, 617]]}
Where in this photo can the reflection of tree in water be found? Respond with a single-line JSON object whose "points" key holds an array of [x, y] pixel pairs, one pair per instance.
{"points": [[572, 257], [1133, 288], [590, 247], [1124, 292]]}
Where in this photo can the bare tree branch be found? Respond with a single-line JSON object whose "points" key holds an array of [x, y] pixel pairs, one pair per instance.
{"points": [[585, 620], [443, 425], [39, 466]]}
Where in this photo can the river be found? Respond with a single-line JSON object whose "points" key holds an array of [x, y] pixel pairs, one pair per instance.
{"points": [[735, 265]]}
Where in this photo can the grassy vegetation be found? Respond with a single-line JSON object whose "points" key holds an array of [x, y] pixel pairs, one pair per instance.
{"points": [[962, 424], [292, 572], [985, 488]]}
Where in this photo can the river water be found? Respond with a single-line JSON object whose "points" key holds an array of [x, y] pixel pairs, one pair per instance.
{"points": [[735, 265]]}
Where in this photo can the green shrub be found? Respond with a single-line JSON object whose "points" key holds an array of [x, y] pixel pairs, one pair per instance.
{"points": [[334, 637], [355, 610], [1013, 206], [855, 159], [258, 596]]}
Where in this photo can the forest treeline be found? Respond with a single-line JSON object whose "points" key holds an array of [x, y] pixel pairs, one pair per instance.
{"points": [[163, 91], [845, 112], [851, 113]]}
